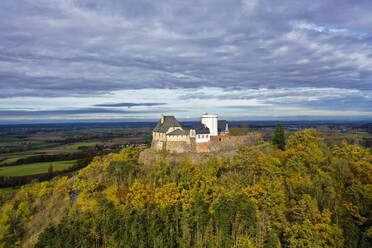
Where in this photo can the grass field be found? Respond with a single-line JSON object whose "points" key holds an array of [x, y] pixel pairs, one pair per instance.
{"points": [[12, 160], [35, 168], [9, 139], [73, 132], [365, 134], [76, 145], [30, 152]]}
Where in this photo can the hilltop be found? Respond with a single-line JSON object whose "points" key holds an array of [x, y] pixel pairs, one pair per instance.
{"points": [[310, 194]]}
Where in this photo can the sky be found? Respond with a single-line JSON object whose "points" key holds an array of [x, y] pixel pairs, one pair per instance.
{"points": [[122, 60]]}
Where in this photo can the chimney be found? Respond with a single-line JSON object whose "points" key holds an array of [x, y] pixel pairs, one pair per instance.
{"points": [[162, 119]]}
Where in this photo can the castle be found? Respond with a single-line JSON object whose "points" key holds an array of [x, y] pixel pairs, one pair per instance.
{"points": [[169, 135]]}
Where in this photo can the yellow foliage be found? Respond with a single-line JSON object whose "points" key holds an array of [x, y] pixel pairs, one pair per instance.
{"points": [[255, 193], [61, 187], [354, 211], [4, 216], [44, 190], [363, 171], [112, 194], [187, 199], [139, 195], [23, 210], [244, 242], [168, 195], [331, 235], [350, 152], [117, 157], [86, 204]]}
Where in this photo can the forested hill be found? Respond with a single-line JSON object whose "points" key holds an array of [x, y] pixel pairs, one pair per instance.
{"points": [[308, 195]]}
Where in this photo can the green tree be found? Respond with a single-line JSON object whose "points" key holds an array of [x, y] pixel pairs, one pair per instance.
{"points": [[50, 168], [278, 137], [272, 241]]}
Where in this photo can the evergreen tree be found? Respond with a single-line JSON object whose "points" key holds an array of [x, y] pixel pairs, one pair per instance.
{"points": [[50, 168], [278, 137]]}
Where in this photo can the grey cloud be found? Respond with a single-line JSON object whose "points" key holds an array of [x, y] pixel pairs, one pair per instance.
{"points": [[314, 98], [351, 103], [56, 112], [128, 104], [89, 47], [89, 112], [93, 48]]}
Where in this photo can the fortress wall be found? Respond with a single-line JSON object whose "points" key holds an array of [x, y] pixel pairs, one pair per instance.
{"points": [[227, 143], [203, 147], [178, 146], [157, 145], [151, 158]]}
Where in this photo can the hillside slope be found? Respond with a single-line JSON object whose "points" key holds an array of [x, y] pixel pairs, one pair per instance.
{"points": [[309, 195]]}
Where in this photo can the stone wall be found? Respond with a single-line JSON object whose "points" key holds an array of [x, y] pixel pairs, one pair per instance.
{"points": [[151, 158], [203, 147], [227, 143], [216, 143], [157, 145], [178, 146]]}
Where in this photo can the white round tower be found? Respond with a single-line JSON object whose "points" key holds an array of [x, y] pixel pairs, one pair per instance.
{"points": [[211, 122]]}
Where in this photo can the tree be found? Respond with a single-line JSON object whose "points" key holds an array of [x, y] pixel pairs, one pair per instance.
{"points": [[50, 168], [272, 241], [278, 137]]}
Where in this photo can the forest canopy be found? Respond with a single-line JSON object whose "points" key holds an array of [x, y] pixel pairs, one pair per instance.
{"points": [[306, 195]]}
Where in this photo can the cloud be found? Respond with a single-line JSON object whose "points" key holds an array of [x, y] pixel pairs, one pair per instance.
{"points": [[55, 112], [315, 98], [128, 104], [95, 49], [79, 114]]}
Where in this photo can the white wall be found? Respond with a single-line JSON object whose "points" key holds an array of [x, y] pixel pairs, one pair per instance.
{"points": [[211, 121], [202, 138]]}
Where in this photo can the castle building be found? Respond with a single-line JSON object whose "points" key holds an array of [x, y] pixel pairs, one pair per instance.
{"points": [[201, 133], [168, 134], [167, 131]]}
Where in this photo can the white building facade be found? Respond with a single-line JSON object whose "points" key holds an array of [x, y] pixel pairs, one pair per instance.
{"points": [[211, 122], [202, 138]]}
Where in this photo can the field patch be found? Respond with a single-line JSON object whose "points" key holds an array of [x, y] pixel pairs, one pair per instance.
{"points": [[77, 145], [35, 168], [6, 139], [12, 159]]}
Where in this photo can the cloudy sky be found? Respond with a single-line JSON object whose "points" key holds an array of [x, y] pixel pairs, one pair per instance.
{"points": [[63, 60]]}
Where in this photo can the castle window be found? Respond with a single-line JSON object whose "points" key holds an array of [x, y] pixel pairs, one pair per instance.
{"points": [[198, 136], [203, 136]]}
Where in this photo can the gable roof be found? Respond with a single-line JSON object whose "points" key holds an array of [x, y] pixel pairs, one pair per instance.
{"points": [[201, 129], [177, 132], [169, 121], [221, 125]]}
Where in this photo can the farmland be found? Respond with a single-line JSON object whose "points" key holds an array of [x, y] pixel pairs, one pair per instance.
{"points": [[35, 168], [30, 149]]}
